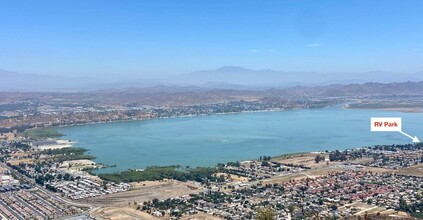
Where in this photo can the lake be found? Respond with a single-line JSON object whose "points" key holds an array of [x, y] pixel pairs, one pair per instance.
{"points": [[208, 140]]}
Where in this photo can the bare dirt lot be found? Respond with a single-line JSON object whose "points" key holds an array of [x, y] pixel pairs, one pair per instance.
{"points": [[8, 136], [122, 213], [130, 212], [306, 159], [24, 157], [374, 212], [26, 161], [234, 178], [201, 216], [416, 170], [363, 160], [145, 191], [378, 170]]}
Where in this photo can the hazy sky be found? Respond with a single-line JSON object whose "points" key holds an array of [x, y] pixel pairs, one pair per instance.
{"points": [[150, 38]]}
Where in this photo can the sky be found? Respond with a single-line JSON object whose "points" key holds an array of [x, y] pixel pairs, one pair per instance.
{"points": [[160, 38]]}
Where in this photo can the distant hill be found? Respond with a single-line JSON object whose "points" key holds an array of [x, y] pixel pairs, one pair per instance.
{"points": [[233, 75], [226, 78], [173, 95], [353, 90], [185, 95], [406, 88], [271, 78], [14, 81]]}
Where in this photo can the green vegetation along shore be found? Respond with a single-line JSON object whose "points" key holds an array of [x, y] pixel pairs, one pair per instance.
{"points": [[71, 153], [42, 133], [199, 174]]}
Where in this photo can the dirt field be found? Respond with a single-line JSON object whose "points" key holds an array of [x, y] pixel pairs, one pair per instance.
{"points": [[8, 136], [305, 159], [306, 174], [308, 160], [282, 179], [145, 191], [21, 159], [303, 175], [130, 212], [123, 205], [202, 216], [362, 161], [122, 213], [234, 178], [26, 161], [375, 212], [412, 171], [378, 170]]}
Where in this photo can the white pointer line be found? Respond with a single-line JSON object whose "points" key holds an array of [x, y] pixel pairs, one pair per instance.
{"points": [[415, 139]]}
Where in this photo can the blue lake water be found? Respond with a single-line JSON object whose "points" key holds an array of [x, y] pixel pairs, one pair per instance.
{"points": [[208, 140]]}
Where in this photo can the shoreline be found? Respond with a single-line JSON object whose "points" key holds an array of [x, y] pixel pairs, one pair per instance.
{"points": [[402, 109], [274, 157], [61, 143], [399, 109], [341, 106], [194, 116], [291, 160], [178, 116], [217, 114]]}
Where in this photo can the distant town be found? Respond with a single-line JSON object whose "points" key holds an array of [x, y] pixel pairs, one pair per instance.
{"points": [[21, 111]]}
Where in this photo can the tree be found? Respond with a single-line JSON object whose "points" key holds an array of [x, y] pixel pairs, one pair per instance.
{"points": [[319, 158], [265, 163], [264, 213], [403, 206], [291, 208]]}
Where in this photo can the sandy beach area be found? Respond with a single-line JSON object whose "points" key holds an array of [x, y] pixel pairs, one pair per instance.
{"points": [[60, 144]]}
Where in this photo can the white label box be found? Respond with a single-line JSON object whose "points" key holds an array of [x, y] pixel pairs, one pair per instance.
{"points": [[386, 124]]}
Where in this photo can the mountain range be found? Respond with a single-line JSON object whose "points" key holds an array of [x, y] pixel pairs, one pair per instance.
{"points": [[228, 77]]}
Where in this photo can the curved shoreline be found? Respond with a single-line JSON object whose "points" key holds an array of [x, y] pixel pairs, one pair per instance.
{"points": [[274, 150], [341, 106], [179, 116]]}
